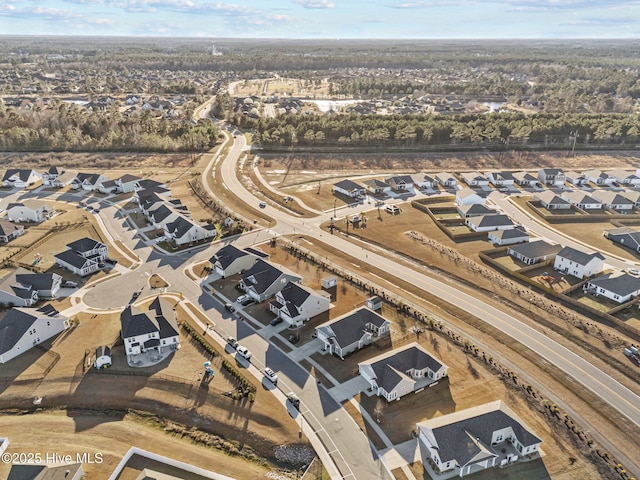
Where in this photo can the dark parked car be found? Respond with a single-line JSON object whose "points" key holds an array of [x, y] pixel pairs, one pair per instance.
{"points": [[230, 307], [276, 321], [111, 261]]}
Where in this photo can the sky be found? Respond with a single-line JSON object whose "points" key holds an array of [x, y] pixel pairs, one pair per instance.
{"points": [[335, 19]]}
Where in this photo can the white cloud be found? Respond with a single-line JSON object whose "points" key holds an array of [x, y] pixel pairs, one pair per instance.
{"points": [[315, 3]]}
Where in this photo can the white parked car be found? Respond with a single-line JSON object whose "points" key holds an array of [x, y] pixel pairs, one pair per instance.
{"points": [[271, 375], [243, 298], [244, 352], [633, 271]]}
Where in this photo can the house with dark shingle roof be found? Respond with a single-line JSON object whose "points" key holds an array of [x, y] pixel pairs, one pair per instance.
{"points": [[400, 182], [488, 223], [579, 264], [526, 179], [263, 280], [183, 231], [552, 201], [161, 214], [230, 260], [401, 371], [422, 180], [375, 186], [127, 183], [475, 439], [20, 177], [296, 304], [475, 209], [9, 231], [613, 200], [508, 237], [24, 288], [534, 252], [619, 286], [88, 181], [24, 328], [552, 176], [625, 236], [582, 200], [71, 471], [55, 177], [349, 188], [152, 329], [83, 256], [501, 179], [352, 331]]}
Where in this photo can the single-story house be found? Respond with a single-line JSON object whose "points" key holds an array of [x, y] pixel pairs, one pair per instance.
{"points": [[424, 181], [619, 286], [9, 231], [29, 211], [474, 439], [625, 236], [468, 196], [23, 328], [375, 186], [576, 179], [108, 187], [475, 179], [633, 196], [475, 209], [400, 182], [579, 264], [446, 179], [23, 288], [599, 177], [401, 371], [488, 223], [352, 331], [625, 178], [582, 200], [183, 231], [613, 200], [534, 252], [296, 304], [20, 177], [263, 280], [230, 260], [349, 188], [551, 176], [88, 181], [551, 201], [508, 237], [526, 179], [501, 179], [152, 329], [127, 183], [55, 177]]}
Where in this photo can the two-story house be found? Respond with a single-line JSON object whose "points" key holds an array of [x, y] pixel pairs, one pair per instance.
{"points": [[152, 329], [296, 304], [263, 280], [579, 264]]}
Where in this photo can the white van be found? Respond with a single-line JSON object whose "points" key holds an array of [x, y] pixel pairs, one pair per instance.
{"points": [[392, 209]]}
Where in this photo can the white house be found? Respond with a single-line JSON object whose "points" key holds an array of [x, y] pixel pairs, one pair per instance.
{"points": [[183, 231], [446, 179], [576, 179], [154, 329], [613, 200], [501, 179], [625, 236], [88, 181], [408, 369], [424, 181], [127, 183], [349, 188], [24, 288], [474, 210], [599, 177], [582, 200], [626, 178], [488, 223], [400, 182], [161, 214], [551, 201], [230, 260], [552, 176], [296, 304], [475, 179], [508, 237], [20, 177], [9, 231], [29, 211], [263, 280], [352, 331], [83, 256], [375, 186], [103, 357], [23, 328], [534, 252], [579, 264], [619, 286], [526, 179], [475, 439], [468, 196]]}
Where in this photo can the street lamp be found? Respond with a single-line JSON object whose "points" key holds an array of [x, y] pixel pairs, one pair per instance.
{"points": [[334, 207]]}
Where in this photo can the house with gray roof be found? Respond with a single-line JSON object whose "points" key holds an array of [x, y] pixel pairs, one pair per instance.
{"points": [[526, 179], [582, 200], [127, 183], [469, 196], [551, 176], [474, 179], [488, 223], [20, 177], [510, 236], [376, 186], [58, 178], [183, 231], [9, 231], [30, 210], [576, 179], [349, 188], [23, 328], [400, 183], [263, 280], [83, 256], [161, 214], [446, 179], [403, 370], [423, 180], [24, 288], [88, 181], [230, 260], [352, 331], [633, 195], [534, 252], [619, 286], [154, 329], [599, 177], [501, 179], [577, 263], [625, 178], [613, 200], [475, 439], [296, 304], [625, 236], [70, 471], [475, 209], [552, 201]]}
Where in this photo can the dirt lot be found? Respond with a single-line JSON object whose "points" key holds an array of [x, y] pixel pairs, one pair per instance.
{"points": [[281, 87]]}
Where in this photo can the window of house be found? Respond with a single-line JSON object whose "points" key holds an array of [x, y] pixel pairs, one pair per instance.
{"points": [[616, 297], [48, 324], [499, 437]]}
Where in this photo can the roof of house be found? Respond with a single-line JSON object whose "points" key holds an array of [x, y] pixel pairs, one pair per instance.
{"points": [[376, 183], [7, 227], [134, 323], [620, 283], [476, 209], [261, 276], [581, 258], [550, 198], [392, 367], [43, 472], [180, 226], [595, 173], [227, 255], [89, 178], [467, 192], [536, 249], [31, 203], [348, 185], [499, 220], [85, 244], [54, 171], [511, 233], [609, 197], [574, 175], [502, 175], [349, 328], [629, 234], [127, 177], [528, 176], [22, 173], [73, 258], [466, 435], [16, 322], [399, 179], [165, 316], [445, 177], [148, 183], [161, 212], [294, 295], [551, 171], [580, 198], [473, 176]]}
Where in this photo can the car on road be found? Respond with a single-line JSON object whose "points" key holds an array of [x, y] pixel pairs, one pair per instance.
{"points": [[244, 352], [69, 284], [293, 398], [271, 375], [633, 271], [233, 343], [276, 321], [230, 307], [262, 204]]}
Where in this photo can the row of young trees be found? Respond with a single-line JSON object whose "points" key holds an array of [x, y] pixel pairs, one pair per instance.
{"points": [[547, 130]]}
